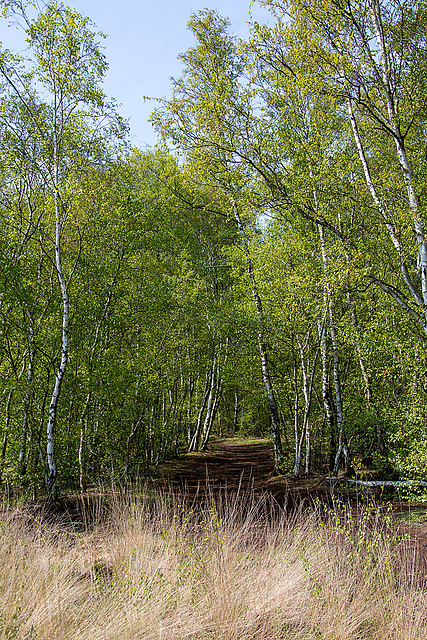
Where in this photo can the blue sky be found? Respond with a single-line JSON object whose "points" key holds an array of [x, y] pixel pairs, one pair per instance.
{"points": [[143, 41]]}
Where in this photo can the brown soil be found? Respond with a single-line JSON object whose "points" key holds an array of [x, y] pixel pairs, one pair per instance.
{"points": [[230, 468], [233, 469], [226, 467]]}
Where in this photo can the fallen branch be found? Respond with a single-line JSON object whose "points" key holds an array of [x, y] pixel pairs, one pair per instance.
{"points": [[377, 483]]}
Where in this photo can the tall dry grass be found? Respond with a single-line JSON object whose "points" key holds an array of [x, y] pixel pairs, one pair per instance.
{"points": [[234, 570]]}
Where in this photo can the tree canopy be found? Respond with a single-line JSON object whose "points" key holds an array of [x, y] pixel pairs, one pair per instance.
{"points": [[267, 276]]}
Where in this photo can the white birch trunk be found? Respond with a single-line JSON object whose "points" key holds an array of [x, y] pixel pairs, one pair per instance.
{"points": [[300, 440], [274, 413], [208, 386], [191, 385], [236, 411], [210, 402], [329, 311], [308, 391], [326, 399], [296, 416], [382, 209], [210, 415], [59, 375], [383, 74], [401, 151], [218, 386]]}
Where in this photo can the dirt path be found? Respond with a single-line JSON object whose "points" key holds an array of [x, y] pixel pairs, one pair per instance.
{"points": [[227, 466], [232, 466]]}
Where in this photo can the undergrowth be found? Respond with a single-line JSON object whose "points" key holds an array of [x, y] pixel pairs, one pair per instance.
{"points": [[235, 569]]}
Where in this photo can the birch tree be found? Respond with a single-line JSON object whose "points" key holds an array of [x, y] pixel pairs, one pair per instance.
{"points": [[369, 55], [205, 117], [67, 114]]}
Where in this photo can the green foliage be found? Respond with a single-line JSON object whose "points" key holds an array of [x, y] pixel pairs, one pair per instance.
{"points": [[164, 335]]}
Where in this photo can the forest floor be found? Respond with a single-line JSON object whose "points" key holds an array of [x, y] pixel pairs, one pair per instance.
{"points": [[227, 465], [235, 466], [215, 546], [241, 470]]}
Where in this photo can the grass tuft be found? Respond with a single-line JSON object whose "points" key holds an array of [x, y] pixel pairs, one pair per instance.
{"points": [[235, 569]]}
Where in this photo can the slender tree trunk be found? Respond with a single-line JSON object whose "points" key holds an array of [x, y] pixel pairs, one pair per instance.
{"points": [[210, 416], [296, 414], [329, 310], [217, 387], [236, 411], [328, 406], [210, 404], [404, 162], [191, 386], [208, 386], [420, 298], [6, 433], [274, 413], [59, 376], [308, 392]]}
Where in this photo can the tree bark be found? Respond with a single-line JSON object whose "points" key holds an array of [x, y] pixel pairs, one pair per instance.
{"points": [[329, 311], [274, 413], [51, 477], [308, 392], [328, 406], [236, 411], [208, 386]]}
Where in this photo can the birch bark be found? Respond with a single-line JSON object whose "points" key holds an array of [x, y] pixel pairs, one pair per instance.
{"points": [[51, 477], [329, 312], [274, 413], [387, 82], [400, 148], [65, 110], [206, 394]]}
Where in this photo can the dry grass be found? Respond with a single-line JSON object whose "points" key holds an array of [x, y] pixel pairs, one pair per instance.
{"points": [[164, 571]]}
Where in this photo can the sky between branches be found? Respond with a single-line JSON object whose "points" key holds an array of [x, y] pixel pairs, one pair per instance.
{"points": [[143, 41]]}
